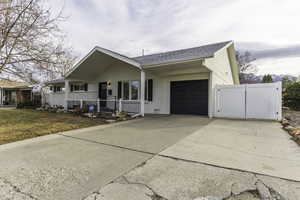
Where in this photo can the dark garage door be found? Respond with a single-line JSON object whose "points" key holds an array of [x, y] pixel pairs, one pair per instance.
{"points": [[189, 97]]}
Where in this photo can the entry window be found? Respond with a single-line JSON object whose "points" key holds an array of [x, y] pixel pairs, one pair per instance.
{"points": [[79, 87], [126, 90], [129, 90], [135, 90]]}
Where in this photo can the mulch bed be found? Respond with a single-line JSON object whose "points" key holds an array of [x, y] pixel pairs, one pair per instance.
{"points": [[291, 123]]}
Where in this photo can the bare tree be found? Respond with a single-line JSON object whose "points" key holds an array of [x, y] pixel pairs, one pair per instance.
{"points": [[245, 62], [31, 41], [247, 69]]}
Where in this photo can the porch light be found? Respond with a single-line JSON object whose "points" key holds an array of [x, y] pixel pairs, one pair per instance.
{"points": [[109, 84]]}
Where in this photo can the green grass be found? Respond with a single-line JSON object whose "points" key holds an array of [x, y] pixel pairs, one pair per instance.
{"points": [[18, 124]]}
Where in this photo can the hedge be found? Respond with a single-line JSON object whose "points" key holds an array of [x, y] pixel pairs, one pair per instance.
{"points": [[291, 96]]}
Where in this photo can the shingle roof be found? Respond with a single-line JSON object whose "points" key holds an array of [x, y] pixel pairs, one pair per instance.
{"points": [[205, 51], [60, 80]]}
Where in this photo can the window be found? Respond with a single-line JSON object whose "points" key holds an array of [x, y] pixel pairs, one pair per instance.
{"points": [[56, 88], [126, 90], [119, 89], [129, 90], [149, 90], [79, 87], [135, 90]]}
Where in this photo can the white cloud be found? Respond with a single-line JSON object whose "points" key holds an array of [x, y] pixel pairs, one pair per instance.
{"points": [[289, 66], [128, 26]]}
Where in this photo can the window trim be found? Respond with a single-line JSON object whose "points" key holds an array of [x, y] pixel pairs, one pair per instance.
{"points": [[147, 90], [139, 90], [130, 90]]}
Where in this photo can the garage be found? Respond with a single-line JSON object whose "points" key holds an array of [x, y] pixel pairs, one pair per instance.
{"points": [[189, 97]]}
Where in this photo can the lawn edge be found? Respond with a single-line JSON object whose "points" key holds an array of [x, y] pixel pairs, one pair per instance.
{"points": [[24, 142]]}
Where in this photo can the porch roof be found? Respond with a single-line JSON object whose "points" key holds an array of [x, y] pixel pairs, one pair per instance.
{"points": [[97, 61], [60, 80]]}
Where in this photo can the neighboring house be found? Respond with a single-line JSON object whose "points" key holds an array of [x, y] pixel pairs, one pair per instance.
{"points": [[12, 92], [175, 82]]}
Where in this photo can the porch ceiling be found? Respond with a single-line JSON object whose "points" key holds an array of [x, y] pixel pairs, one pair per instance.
{"points": [[96, 62], [179, 69]]}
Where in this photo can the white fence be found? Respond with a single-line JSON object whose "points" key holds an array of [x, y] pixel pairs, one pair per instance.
{"points": [[250, 101]]}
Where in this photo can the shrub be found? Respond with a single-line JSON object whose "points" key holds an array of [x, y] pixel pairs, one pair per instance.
{"points": [[291, 96], [28, 104]]}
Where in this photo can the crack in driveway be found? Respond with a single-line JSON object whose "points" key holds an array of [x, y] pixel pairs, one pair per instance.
{"points": [[155, 196], [11, 189]]}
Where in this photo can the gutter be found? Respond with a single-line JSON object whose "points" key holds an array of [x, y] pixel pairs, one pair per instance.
{"points": [[172, 63]]}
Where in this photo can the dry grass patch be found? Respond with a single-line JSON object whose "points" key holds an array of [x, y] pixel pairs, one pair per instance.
{"points": [[22, 124]]}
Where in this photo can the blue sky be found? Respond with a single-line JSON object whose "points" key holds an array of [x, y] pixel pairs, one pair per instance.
{"points": [[269, 28]]}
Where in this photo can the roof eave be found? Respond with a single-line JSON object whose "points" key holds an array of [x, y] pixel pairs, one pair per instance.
{"points": [[229, 43], [173, 63]]}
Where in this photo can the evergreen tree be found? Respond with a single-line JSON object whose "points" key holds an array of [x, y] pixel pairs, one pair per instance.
{"points": [[267, 79]]}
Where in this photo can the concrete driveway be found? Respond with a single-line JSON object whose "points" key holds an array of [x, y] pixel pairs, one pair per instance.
{"points": [[262, 147], [225, 160], [174, 157], [74, 164]]}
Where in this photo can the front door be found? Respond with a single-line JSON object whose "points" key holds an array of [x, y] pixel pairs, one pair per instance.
{"points": [[103, 93]]}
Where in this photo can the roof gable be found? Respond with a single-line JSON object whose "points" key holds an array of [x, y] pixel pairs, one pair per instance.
{"points": [[107, 52]]}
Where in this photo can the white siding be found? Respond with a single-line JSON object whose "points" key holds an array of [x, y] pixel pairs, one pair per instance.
{"points": [[220, 66], [221, 74], [55, 99], [58, 98]]}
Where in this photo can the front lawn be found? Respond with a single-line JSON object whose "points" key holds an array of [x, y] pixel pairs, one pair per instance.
{"points": [[18, 124]]}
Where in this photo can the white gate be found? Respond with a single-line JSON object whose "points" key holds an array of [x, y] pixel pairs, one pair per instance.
{"points": [[249, 101]]}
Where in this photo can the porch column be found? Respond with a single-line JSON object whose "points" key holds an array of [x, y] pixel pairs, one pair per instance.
{"points": [[66, 94], [143, 80]]}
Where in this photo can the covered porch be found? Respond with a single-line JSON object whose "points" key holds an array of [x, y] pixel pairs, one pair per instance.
{"points": [[12, 96], [106, 81]]}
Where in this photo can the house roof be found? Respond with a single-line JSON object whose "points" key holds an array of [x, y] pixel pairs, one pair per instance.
{"points": [[153, 60], [205, 51], [12, 84], [60, 80]]}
